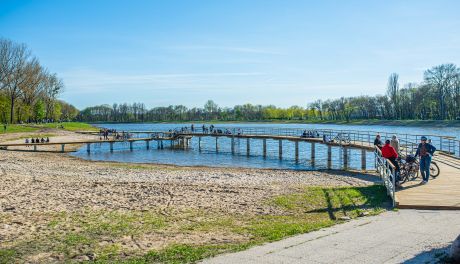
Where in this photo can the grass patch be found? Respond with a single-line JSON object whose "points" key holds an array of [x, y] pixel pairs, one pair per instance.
{"points": [[7, 256], [103, 234], [17, 129], [71, 126]]}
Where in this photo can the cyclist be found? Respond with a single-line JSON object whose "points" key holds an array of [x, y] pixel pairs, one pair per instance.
{"points": [[425, 151]]}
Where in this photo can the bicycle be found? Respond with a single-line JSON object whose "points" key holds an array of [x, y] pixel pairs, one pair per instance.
{"points": [[342, 138], [410, 167]]}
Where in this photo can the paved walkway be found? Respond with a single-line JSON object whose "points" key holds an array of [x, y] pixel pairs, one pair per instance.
{"points": [[405, 236]]}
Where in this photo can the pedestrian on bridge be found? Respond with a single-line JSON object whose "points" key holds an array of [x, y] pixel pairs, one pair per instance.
{"points": [[391, 155], [395, 143], [425, 151], [378, 141]]}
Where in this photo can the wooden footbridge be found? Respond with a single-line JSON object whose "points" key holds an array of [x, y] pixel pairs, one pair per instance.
{"points": [[441, 193]]}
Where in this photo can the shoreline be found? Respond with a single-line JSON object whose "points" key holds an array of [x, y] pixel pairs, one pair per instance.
{"points": [[406, 123]]}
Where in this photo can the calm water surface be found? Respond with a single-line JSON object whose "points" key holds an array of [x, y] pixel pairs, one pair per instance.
{"points": [[224, 158]]}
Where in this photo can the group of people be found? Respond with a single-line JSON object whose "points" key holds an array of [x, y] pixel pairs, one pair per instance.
{"points": [[37, 140], [391, 151], [310, 134]]}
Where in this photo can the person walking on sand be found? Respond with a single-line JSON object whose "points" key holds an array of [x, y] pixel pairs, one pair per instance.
{"points": [[378, 141], [395, 143], [425, 151]]}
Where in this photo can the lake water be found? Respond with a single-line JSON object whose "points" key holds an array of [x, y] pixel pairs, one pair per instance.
{"points": [[224, 158]]}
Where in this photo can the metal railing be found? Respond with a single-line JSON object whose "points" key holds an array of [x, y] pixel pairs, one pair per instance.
{"points": [[386, 171], [408, 142]]}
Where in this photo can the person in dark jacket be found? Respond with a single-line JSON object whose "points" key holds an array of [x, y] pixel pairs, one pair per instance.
{"points": [[390, 154], [378, 141], [425, 151]]}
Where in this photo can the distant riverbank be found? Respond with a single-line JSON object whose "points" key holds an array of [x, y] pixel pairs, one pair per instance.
{"points": [[408, 123]]}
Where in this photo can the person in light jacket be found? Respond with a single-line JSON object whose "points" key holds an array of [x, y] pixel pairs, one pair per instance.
{"points": [[395, 143]]}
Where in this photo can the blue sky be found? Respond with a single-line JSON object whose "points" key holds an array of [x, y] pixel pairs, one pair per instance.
{"points": [[282, 52]]}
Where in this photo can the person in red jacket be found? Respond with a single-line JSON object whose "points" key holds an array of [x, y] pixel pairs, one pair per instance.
{"points": [[390, 154]]}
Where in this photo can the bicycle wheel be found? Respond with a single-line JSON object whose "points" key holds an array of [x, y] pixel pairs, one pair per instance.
{"points": [[403, 177], [434, 170]]}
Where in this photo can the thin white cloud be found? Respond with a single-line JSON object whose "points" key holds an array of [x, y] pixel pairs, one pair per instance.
{"points": [[83, 81], [227, 49]]}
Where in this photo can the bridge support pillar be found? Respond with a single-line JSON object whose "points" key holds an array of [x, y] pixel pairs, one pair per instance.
{"points": [[280, 149], [88, 148], [248, 147], [161, 144], [131, 145], [345, 158], [233, 145], [111, 146], [264, 143], [313, 146], [62, 147], [217, 144], [199, 143], [363, 159], [297, 151], [329, 157], [147, 143]]}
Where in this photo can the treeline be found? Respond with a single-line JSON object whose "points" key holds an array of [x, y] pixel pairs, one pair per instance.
{"points": [[437, 98], [28, 91]]}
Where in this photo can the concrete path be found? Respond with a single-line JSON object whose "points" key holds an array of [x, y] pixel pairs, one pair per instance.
{"points": [[405, 236]]}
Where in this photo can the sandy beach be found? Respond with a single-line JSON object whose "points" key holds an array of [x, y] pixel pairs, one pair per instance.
{"points": [[39, 186]]}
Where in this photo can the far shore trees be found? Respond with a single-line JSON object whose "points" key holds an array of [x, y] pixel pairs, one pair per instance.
{"points": [[437, 98]]}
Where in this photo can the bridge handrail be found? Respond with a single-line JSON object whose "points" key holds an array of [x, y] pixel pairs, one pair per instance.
{"points": [[386, 171], [447, 144]]}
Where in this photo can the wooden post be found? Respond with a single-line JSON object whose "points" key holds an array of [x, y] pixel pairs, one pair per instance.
{"points": [[248, 147], [345, 158], [131, 145], [35, 148], [111, 146], [233, 145], [62, 147], [280, 149], [88, 147], [297, 151], [147, 144], [313, 151], [329, 157], [199, 143], [265, 147], [217, 144], [363, 159]]}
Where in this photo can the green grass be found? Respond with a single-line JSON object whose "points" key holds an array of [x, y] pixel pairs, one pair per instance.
{"points": [[70, 126], [101, 233], [17, 129]]}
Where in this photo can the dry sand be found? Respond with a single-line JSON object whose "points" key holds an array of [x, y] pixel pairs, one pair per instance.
{"points": [[36, 183]]}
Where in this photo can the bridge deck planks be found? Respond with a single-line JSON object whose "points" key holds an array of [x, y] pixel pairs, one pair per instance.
{"points": [[440, 193]]}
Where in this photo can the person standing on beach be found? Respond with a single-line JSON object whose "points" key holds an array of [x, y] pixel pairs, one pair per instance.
{"points": [[425, 151]]}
